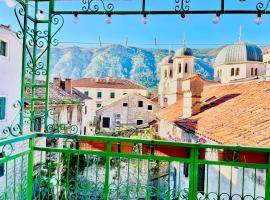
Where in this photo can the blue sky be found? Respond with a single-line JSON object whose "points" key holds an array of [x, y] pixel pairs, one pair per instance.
{"points": [[199, 30]]}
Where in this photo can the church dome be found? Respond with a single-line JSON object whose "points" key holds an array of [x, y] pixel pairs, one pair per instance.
{"points": [[238, 53], [183, 51], [167, 60]]}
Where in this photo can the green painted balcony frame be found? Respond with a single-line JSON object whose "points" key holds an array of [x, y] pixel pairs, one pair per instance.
{"points": [[67, 185], [38, 36]]}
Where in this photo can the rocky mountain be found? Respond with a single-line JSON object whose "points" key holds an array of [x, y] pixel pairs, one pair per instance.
{"points": [[138, 64]]}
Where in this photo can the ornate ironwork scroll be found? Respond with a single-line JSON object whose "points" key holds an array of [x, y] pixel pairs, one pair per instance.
{"points": [[182, 5], [262, 7], [91, 5]]}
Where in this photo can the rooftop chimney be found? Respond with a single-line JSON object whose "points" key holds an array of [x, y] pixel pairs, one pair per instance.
{"points": [[68, 85], [192, 89], [57, 81]]}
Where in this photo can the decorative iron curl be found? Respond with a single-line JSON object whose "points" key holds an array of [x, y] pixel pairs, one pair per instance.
{"points": [[14, 129], [89, 5], [7, 150], [56, 20], [261, 6], [182, 6], [19, 11]]}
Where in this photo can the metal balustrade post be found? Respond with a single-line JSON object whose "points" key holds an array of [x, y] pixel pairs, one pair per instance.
{"points": [[30, 169], [267, 184], [107, 172], [193, 178]]}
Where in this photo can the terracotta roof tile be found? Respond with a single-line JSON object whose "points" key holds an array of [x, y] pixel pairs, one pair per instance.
{"points": [[240, 114], [107, 83]]}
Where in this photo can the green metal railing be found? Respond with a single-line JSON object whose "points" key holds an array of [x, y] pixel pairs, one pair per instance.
{"points": [[56, 166]]}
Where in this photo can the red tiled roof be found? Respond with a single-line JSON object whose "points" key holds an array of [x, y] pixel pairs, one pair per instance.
{"points": [[103, 83], [238, 115]]}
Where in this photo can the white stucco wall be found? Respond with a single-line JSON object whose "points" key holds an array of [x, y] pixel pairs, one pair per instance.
{"points": [[10, 75]]}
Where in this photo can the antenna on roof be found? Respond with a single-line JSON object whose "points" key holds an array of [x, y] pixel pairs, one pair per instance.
{"points": [[240, 34], [155, 40], [170, 50]]}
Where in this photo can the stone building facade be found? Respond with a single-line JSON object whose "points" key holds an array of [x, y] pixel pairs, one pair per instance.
{"points": [[129, 111]]}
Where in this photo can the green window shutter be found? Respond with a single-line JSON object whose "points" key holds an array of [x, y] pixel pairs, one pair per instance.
{"points": [[86, 93], [2, 108], [98, 105], [112, 95], [99, 95]]}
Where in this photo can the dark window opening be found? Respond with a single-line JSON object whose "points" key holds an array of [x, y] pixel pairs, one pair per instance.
{"points": [[232, 72], [125, 104], [99, 95], [256, 72], [112, 95], [150, 107], [165, 74], [3, 48], [37, 124], [85, 110], [84, 130], [86, 93], [139, 121], [171, 73], [252, 71], [237, 71], [98, 105], [106, 122], [179, 68], [140, 104], [186, 68], [2, 169]]}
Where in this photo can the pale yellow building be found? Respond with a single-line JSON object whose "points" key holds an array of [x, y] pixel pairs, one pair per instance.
{"points": [[239, 61], [106, 90], [172, 70]]}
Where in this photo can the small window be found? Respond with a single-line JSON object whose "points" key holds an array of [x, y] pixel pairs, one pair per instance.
{"points": [[99, 95], [125, 104], [140, 104], [237, 72], [37, 124], [86, 93], [165, 99], [2, 108], [165, 74], [256, 71], [2, 169], [85, 110], [84, 130], [186, 68], [112, 95], [98, 105], [106, 122], [179, 68], [232, 71], [3, 48], [139, 121], [124, 93], [149, 107], [171, 73], [252, 71]]}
